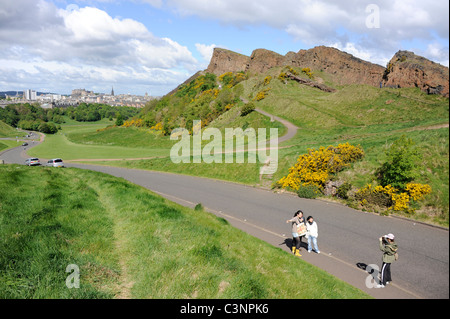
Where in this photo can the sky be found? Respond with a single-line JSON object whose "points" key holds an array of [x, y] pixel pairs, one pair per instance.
{"points": [[152, 46]]}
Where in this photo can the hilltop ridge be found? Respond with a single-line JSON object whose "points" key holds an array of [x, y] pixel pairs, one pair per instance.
{"points": [[405, 69], [342, 67]]}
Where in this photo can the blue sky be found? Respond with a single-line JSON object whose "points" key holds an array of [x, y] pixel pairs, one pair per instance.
{"points": [[151, 46]]}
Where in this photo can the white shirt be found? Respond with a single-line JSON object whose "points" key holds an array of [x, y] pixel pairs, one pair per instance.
{"points": [[313, 230]]}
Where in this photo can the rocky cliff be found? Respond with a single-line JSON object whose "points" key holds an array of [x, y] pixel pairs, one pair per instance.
{"points": [[224, 61], [343, 67], [409, 70], [405, 69]]}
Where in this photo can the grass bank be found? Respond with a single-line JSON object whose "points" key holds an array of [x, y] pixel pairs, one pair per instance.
{"points": [[131, 243]]}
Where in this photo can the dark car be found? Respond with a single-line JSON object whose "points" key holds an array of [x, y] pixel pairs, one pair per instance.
{"points": [[25, 144]]}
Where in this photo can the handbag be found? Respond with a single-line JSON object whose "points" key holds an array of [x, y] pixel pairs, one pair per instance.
{"points": [[301, 229]]}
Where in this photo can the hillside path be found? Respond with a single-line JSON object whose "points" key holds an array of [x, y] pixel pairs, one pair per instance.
{"points": [[291, 128]]}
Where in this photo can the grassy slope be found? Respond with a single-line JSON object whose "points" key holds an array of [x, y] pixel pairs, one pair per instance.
{"points": [[129, 242], [357, 114], [59, 145], [8, 132]]}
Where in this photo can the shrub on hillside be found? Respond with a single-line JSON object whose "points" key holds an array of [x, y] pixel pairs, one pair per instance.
{"points": [[247, 109], [400, 167], [308, 191], [392, 198], [315, 167], [342, 191]]}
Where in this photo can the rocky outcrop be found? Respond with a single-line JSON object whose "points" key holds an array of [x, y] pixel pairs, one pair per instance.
{"points": [[262, 60], [224, 61], [343, 67], [310, 83], [405, 69], [409, 70]]}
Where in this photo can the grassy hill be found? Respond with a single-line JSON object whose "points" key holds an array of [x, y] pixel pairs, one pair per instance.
{"points": [[8, 131], [357, 114], [130, 243]]}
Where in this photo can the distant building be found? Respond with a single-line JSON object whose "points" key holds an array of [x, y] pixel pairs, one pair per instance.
{"points": [[81, 92], [112, 91], [29, 95]]}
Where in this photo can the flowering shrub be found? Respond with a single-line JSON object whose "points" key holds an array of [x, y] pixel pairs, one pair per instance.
{"points": [[418, 191], [267, 80], [262, 95], [282, 76], [211, 92], [390, 197], [230, 79], [315, 167], [137, 123], [308, 72], [379, 195], [158, 127]]}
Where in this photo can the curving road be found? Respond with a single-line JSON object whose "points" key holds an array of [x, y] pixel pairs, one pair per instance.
{"points": [[348, 239]]}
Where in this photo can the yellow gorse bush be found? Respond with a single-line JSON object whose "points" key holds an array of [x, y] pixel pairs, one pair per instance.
{"points": [[230, 79], [267, 80], [158, 127], [137, 122], [418, 191], [262, 94], [315, 167], [397, 201]]}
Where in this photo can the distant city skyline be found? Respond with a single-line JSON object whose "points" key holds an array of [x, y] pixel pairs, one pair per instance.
{"points": [[154, 45]]}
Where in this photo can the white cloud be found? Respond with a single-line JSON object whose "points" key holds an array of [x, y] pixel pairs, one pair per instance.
{"points": [[85, 46], [205, 50], [438, 53], [363, 54], [325, 22]]}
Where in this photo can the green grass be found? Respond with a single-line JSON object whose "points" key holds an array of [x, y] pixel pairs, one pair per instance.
{"points": [[60, 145], [358, 114], [129, 242], [7, 144], [8, 131]]}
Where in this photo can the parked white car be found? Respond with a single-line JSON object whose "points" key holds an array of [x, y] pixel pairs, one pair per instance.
{"points": [[32, 161], [56, 162]]}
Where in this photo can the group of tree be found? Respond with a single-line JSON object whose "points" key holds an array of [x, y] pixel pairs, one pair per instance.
{"points": [[33, 117], [93, 112]]}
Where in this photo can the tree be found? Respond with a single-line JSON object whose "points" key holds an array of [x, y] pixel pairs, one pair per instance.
{"points": [[48, 128], [119, 120], [400, 166]]}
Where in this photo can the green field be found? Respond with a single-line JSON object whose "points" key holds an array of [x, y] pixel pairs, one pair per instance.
{"points": [[131, 243]]}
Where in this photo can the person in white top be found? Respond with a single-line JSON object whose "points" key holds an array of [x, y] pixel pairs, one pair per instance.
{"points": [[313, 233]]}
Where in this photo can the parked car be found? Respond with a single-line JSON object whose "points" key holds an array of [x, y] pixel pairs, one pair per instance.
{"points": [[25, 144], [56, 162], [32, 161]]}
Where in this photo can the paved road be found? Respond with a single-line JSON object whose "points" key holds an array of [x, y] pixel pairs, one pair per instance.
{"points": [[348, 239]]}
